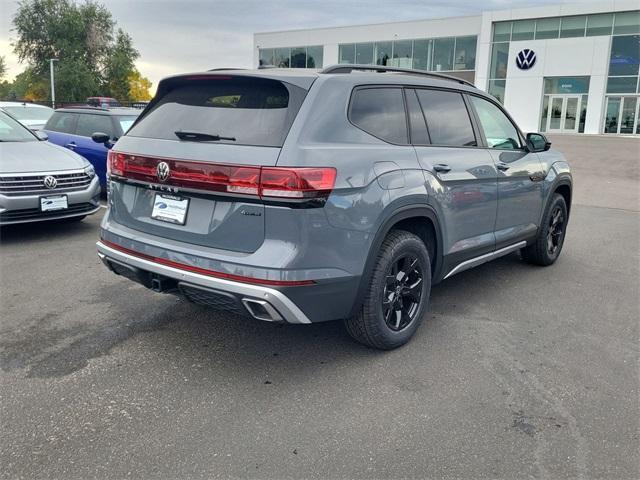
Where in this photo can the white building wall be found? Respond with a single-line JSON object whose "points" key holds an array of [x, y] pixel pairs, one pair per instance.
{"points": [[582, 56], [332, 37], [564, 57]]}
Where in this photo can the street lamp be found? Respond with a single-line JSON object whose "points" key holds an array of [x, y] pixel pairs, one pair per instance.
{"points": [[53, 89]]}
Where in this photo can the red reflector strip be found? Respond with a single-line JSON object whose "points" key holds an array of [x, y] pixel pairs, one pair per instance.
{"points": [[207, 272], [275, 182]]}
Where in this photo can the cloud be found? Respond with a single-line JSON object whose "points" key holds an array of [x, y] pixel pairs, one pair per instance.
{"points": [[189, 35]]}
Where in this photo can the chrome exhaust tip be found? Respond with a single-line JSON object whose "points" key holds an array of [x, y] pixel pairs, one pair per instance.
{"points": [[262, 310]]}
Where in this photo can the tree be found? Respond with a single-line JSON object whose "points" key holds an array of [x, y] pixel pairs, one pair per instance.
{"points": [[91, 60], [120, 66], [139, 87], [3, 68], [63, 30], [28, 86]]}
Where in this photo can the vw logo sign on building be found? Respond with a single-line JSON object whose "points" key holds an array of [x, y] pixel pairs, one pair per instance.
{"points": [[163, 171], [50, 182], [525, 59]]}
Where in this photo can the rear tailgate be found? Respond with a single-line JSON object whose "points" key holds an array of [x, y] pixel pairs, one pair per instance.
{"points": [[251, 116]]}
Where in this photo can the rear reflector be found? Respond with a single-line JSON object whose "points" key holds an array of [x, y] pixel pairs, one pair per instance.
{"points": [[273, 182], [207, 272]]}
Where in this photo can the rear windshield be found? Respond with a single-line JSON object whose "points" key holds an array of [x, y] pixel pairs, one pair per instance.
{"points": [[243, 110], [29, 113]]}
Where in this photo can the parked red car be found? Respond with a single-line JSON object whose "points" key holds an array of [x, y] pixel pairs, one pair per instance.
{"points": [[104, 102]]}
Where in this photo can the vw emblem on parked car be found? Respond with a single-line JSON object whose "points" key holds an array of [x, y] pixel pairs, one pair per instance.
{"points": [[163, 171], [525, 59], [50, 182]]}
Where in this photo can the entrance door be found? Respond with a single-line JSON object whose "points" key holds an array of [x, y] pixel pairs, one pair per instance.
{"points": [[622, 115], [563, 114]]}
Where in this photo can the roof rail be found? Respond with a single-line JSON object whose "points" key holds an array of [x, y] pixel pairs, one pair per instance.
{"points": [[224, 69], [348, 68]]}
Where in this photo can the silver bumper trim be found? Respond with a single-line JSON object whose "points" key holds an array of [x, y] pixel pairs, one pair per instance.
{"points": [[474, 262], [284, 306]]}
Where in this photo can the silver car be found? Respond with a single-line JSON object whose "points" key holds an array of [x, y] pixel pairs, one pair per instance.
{"points": [[41, 181]]}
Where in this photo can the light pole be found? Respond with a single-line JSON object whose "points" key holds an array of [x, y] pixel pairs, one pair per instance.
{"points": [[53, 88]]}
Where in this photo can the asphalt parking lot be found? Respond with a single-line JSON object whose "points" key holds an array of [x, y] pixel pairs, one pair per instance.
{"points": [[517, 371]]}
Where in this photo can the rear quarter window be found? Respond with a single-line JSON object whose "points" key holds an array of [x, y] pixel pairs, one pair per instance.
{"points": [[253, 111], [380, 112]]}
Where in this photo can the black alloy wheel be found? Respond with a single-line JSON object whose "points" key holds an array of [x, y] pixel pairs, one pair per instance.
{"points": [[402, 292]]}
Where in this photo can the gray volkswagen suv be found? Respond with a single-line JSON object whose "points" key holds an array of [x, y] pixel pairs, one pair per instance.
{"points": [[343, 194]]}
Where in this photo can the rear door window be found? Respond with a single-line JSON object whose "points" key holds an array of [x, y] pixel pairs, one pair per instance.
{"points": [[380, 112], [245, 110], [63, 122], [447, 118], [88, 124]]}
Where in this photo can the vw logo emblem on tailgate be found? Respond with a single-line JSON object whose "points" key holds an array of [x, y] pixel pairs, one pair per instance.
{"points": [[525, 59], [50, 182], [163, 171]]}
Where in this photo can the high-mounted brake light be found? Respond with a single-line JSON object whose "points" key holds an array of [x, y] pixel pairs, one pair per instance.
{"points": [[264, 182]]}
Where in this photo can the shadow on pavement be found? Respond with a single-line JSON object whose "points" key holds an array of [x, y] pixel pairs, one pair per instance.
{"points": [[48, 230], [51, 346]]}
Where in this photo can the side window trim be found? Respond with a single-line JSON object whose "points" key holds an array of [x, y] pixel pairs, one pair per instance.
{"points": [[116, 128], [521, 136], [469, 114], [481, 139], [412, 91], [406, 115], [379, 86], [76, 121]]}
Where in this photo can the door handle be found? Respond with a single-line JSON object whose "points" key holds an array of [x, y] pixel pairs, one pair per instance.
{"points": [[502, 167], [71, 145], [442, 168]]}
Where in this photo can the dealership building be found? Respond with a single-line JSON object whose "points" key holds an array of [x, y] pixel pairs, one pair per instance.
{"points": [[570, 68]]}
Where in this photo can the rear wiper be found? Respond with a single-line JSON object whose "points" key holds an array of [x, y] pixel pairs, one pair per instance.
{"points": [[201, 137]]}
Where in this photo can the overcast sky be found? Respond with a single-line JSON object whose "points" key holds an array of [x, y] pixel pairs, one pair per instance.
{"points": [[186, 35]]}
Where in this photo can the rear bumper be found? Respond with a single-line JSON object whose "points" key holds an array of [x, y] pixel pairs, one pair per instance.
{"points": [[261, 302]]}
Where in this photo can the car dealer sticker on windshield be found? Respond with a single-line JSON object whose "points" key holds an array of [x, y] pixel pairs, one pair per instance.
{"points": [[170, 209], [57, 202]]}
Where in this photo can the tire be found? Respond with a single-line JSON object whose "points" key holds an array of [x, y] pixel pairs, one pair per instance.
{"points": [[547, 246], [378, 324]]}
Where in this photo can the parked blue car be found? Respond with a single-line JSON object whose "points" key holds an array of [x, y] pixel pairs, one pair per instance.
{"points": [[73, 128]]}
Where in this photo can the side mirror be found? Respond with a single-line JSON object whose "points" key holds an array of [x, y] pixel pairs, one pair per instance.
{"points": [[103, 138], [42, 136], [537, 142]]}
